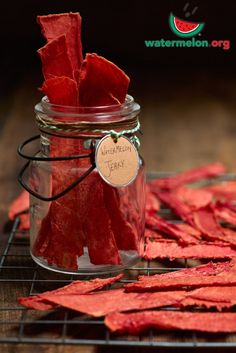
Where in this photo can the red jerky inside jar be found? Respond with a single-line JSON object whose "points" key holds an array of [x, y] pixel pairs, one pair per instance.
{"points": [[95, 227]]}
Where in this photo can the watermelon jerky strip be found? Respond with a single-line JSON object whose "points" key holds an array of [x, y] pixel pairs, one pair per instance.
{"points": [[225, 190], [60, 239], [157, 223], [99, 235], [205, 221], [204, 172], [177, 206], [152, 202], [202, 303], [190, 230], [100, 82], [225, 213], [209, 269], [19, 205], [39, 302], [55, 59], [154, 234], [61, 90], [172, 250], [69, 25], [194, 198], [219, 275], [219, 297], [105, 302], [124, 235], [176, 283], [135, 323]]}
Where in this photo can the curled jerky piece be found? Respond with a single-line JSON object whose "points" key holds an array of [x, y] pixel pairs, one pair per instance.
{"points": [[225, 190], [69, 25], [205, 221], [171, 320], [225, 213], [19, 205], [61, 90], [176, 205], [105, 302], [100, 82], [157, 223], [40, 302], [152, 202], [55, 59], [205, 172], [172, 250], [190, 230]]}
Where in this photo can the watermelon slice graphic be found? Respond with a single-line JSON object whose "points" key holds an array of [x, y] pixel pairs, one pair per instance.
{"points": [[183, 28]]}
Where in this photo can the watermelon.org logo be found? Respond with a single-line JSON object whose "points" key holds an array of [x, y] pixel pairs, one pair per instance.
{"points": [[187, 31], [183, 28]]}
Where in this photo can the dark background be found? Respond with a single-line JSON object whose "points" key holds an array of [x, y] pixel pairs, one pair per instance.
{"points": [[117, 30], [187, 94]]}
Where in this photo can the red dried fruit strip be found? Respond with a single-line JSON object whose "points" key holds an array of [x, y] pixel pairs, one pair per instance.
{"points": [[135, 323], [226, 190], [227, 204], [205, 221], [193, 302], [105, 302], [63, 218], [163, 250], [99, 235], [39, 302], [159, 224], [24, 222], [209, 269], [152, 202], [55, 59], [19, 205], [180, 282], [101, 81], [124, 235], [61, 90], [205, 172], [194, 198], [68, 24], [154, 234], [221, 294], [178, 207], [190, 230], [222, 212]]}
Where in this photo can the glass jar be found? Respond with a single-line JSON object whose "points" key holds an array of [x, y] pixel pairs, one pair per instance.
{"points": [[79, 223]]}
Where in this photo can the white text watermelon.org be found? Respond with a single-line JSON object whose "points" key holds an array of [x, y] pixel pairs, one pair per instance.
{"points": [[190, 43]]}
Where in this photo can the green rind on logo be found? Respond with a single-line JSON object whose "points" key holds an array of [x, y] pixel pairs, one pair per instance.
{"points": [[181, 34]]}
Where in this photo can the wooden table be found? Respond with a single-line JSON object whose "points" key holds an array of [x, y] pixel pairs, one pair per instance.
{"points": [[192, 125]]}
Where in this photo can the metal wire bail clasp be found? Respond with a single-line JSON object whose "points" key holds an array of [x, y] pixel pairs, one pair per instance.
{"points": [[31, 158]]}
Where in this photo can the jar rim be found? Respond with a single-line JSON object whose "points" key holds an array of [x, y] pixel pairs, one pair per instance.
{"points": [[56, 110]]}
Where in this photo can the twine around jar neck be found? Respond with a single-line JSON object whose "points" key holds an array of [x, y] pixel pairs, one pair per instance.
{"points": [[89, 122], [114, 129]]}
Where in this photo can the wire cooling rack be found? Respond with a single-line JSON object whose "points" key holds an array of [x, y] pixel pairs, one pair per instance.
{"points": [[20, 276]]}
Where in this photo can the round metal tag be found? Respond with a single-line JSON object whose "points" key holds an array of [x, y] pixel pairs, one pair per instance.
{"points": [[117, 162]]}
